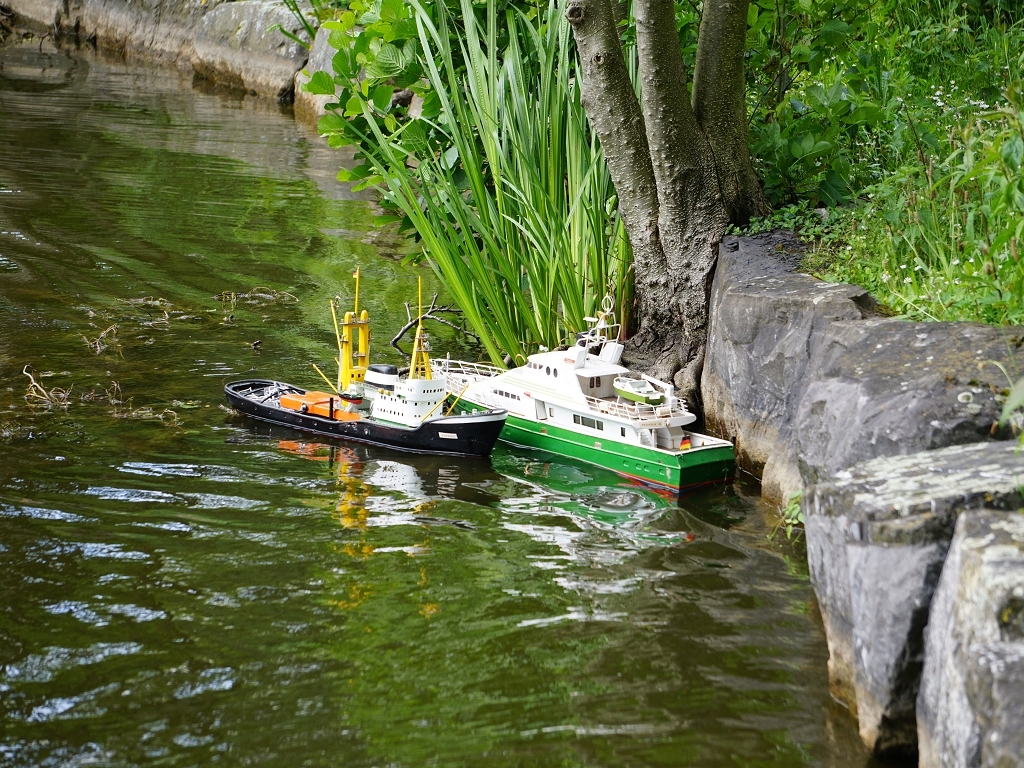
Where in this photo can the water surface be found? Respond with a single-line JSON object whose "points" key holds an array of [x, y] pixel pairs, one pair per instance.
{"points": [[180, 586]]}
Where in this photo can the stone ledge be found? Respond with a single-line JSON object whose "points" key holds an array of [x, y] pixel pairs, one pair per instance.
{"points": [[971, 702], [806, 380], [877, 536]]}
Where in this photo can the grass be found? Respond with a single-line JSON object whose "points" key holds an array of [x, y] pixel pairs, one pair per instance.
{"points": [[921, 178], [500, 177]]}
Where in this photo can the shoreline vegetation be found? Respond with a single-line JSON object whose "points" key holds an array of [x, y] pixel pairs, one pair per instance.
{"points": [[903, 182]]}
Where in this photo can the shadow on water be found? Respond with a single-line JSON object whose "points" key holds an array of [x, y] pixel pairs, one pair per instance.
{"points": [[182, 586]]}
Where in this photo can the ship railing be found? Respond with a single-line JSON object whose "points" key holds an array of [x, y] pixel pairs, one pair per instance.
{"points": [[635, 411], [462, 368]]}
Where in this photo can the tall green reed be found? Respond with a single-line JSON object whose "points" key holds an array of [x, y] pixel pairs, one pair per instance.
{"points": [[499, 176]]}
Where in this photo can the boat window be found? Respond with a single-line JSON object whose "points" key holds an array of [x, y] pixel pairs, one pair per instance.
{"points": [[623, 431], [590, 383], [551, 412], [556, 373], [548, 370], [597, 382]]}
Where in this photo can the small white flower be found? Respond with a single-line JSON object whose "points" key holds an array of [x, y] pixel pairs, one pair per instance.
{"points": [[903, 266], [954, 262], [885, 277], [907, 280]]}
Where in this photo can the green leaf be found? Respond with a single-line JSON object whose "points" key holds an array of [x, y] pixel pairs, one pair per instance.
{"points": [[341, 64], [331, 123], [390, 62], [382, 97], [390, 10], [431, 105], [339, 40], [320, 83], [354, 106], [1012, 152], [868, 114]]}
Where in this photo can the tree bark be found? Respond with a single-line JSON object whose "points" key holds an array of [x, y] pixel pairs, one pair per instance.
{"points": [[691, 216], [719, 103], [676, 195], [607, 95]]}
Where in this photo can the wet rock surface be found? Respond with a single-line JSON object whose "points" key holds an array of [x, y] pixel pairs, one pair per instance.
{"points": [[877, 537], [235, 45], [809, 380], [971, 702], [229, 43]]}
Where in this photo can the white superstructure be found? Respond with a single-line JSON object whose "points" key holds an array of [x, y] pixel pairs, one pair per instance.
{"points": [[573, 389]]}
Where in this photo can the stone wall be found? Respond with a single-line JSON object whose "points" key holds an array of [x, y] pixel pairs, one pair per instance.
{"points": [[226, 42], [889, 430], [807, 379]]}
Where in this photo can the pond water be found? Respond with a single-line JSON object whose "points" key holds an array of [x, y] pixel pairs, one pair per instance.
{"points": [[179, 586]]}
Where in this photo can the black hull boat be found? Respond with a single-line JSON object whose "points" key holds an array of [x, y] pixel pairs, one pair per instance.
{"points": [[466, 434]]}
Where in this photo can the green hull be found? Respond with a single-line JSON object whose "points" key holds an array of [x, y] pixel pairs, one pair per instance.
{"points": [[678, 471]]}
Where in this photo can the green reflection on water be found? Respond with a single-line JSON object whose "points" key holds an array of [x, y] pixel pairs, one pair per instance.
{"points": [[183, 591]]}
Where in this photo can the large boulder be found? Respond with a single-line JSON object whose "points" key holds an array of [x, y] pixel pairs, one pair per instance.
{"points": [[311, 106], [41, 13], [877, 536], [887, 387], [971, 702], [808, 380], [234, 45], [766, 320], [230, 43]]}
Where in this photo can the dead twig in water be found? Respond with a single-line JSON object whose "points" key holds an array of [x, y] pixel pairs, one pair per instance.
{"points": [[105, 340], [431, 314], [37, 394]]}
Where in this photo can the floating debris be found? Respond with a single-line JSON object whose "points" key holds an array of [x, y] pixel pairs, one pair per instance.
{"points": [[104, 341], [259, 296], [38, 395]]}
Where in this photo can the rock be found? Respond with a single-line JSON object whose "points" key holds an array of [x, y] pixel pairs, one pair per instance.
{"points": [[160, 30], [808, 380], [877, 536], [310, 106], [888, 387], [36, 12], [971, 702], [234, 45], [227, 42], [765, 323]]}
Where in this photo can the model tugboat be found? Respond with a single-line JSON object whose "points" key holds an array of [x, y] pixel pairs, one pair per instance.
{"points": [[581, 403], [372, 403]]}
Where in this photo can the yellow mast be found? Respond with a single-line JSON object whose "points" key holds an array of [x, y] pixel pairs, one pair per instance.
{"points": [[419, 366], [353, 343]]}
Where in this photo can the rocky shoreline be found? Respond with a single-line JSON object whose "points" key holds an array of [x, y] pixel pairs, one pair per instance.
{"points": [[911, 494], [228, 43], [886, 429]]}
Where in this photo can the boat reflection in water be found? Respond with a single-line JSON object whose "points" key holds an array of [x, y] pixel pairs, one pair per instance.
{"points": [[590, 499]]}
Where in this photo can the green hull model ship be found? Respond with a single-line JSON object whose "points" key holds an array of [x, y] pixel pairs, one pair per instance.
{"points": [[581, 403]]}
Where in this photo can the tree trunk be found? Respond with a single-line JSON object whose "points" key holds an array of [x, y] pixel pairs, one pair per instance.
{"points": [[719, 102], [676, 195]]}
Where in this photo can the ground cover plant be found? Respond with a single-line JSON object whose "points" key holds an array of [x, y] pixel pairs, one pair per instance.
{"points": [[916, 178]]}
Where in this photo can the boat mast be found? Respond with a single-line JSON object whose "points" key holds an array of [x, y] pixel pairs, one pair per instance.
{"points": [[419, 366], [353, 343]]}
